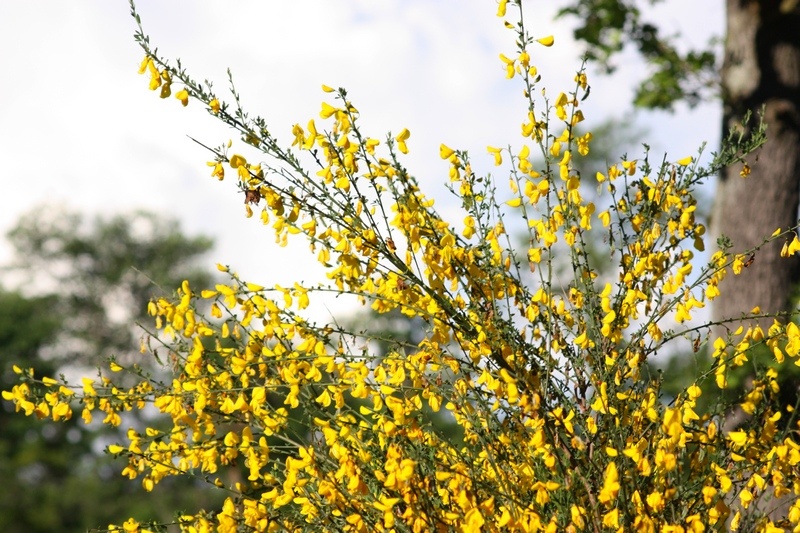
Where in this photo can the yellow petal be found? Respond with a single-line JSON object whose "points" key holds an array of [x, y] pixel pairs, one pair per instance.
{"points": [[237, 161], [501, 8], [546, 41], [794, 246], [183, 96], [685, 161], [445, 152], [327, 110], [738, 437], [327, 89], [143, 66], [498, 159], [745, 170]]}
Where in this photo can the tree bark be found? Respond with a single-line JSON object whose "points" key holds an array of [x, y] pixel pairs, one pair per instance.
{"points": [[761, 68]]}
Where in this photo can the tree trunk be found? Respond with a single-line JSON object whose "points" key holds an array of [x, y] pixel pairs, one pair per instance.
{"points": [[761, 68]]}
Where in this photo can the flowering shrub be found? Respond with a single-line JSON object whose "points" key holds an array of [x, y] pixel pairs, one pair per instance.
{"points": [[561, 427]]}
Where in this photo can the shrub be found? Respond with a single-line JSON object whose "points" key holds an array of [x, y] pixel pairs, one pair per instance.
{"points": [[560, 426]]}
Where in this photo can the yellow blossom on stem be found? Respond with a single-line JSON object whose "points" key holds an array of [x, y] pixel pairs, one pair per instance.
{"points": [[401, 138], [183, 96], [546, 41], [745, 170], [445, 152]]}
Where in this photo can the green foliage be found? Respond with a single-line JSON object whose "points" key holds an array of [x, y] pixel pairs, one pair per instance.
{"points": [[607, 26], [104, 273]]}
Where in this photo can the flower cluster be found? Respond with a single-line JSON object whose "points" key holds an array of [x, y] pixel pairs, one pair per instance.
{"points": [[528, 405]]}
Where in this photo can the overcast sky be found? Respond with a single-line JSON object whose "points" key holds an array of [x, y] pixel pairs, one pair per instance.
{"points": [[80, 129]]}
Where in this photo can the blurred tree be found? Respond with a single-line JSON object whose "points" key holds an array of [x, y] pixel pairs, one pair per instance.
{"points": [[104, 273], [98, 278], [31, 454]]}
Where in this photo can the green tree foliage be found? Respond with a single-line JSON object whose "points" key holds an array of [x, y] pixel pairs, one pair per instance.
{"points": [[27, 450], [607, 26], [104, 271]]}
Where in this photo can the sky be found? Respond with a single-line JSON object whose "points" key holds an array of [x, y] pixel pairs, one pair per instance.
{"points": [[80, 130]]}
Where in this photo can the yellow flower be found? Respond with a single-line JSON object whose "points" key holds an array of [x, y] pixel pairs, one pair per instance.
{"points": [[327, 110], [445, 152], [610, 485], [745, 170], [789, 249], [583, 142], [498, 160], [501, 8], [655, 501], [214, 105], [401, 138], [131, 526], [166, 88], [509, 63], [143, 66], [546, 41], [155, 77], [611, 518], [219, 171], [238, 161], [559, 104], [183, 96], [738, 438]]}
